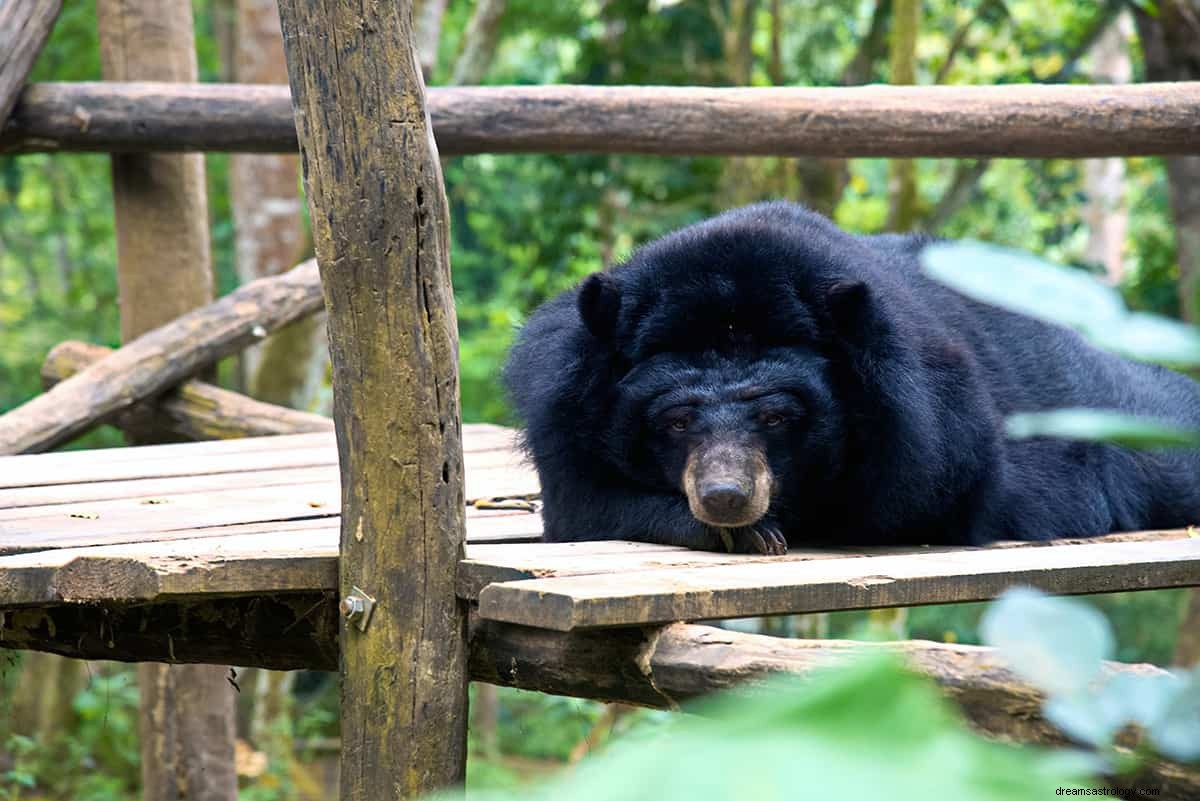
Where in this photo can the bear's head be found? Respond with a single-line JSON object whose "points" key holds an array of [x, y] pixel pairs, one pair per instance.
{"points": [[738, 432], [740, 338]]}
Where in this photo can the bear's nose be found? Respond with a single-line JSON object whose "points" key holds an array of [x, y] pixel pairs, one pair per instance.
{"points": [[724, 501]]}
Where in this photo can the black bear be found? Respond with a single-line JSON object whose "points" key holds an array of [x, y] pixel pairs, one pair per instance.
{"points": [[764, 378]]}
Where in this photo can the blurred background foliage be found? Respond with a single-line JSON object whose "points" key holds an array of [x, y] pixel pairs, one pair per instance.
{"points": [[525, 227]]}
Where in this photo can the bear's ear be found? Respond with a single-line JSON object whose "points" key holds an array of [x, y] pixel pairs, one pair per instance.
{"points": [[849, 305], [599, 305], [852, 312]]}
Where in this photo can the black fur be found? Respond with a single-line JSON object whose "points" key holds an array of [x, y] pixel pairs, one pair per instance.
{"points": [[892, 390]]}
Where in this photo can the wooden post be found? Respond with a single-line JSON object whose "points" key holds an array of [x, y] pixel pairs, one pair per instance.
{"points": [[187, 712], [380, 227]]}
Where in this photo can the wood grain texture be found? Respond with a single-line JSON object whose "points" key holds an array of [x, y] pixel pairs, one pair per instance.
{"points": [[491, 445], [381, 232], [1017, 121], [24, 27], [164, 356], [195, 410], [781, 587]]}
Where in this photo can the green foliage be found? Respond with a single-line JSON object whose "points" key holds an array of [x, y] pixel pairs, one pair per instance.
{"points": [[1098, 425], [867, 725], [1058, 645]]}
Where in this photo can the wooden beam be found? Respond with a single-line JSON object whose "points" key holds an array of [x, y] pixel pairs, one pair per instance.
{"points": [[786, 587], [24, 27], [194, 410], [1015, 121], [157, 360], [657, 667], [291, 631], [381, 231]]}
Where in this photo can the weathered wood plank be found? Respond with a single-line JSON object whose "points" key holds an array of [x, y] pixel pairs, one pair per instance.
{"points": [[487, 446], [483, 526], [24, 27], [124, 519], [781, 587], [195, 410], [161, 358], [380, 226], [17, 502], [245, 564], [1019, 121], [488, 564], [89, 498]]}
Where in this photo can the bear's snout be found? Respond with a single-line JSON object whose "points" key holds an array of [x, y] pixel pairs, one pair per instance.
{"points": [[727, 484], [723, 501]]}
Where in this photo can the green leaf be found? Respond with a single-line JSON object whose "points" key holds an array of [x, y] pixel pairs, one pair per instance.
{"points": [[1101, 425], [1024, 284], [1176, 734], [1057, 644], [1150, 338], [846, 731]]}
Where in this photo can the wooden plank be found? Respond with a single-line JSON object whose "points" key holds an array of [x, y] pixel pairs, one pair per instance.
{"points": [[488, 476], [488, 564], [1015, 121], [217, 456], [246, 564], [14, 501], [484, 527], [252, 558], [782, 587], [127, 520]]}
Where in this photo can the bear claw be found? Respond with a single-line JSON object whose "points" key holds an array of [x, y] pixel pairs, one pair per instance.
{"points": [[762, 538]]}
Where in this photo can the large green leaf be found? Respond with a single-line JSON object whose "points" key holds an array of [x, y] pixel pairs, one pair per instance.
{"points": [[1019, 282], [1057, 644], [1023, 283], [868, 728], [1101, 425]]}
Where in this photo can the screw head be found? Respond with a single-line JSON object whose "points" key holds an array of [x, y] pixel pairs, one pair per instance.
{"points": [[352, 606]]}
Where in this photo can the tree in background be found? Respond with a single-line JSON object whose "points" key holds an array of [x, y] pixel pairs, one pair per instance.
{"points": [[268, 223]]}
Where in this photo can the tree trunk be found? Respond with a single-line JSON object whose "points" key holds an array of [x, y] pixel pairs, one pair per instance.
{"points": [[479, 43], [42, 700], [427, 30], [1171, 47], [902, 184], [1104, 209], [187, 712], [269, 226]]}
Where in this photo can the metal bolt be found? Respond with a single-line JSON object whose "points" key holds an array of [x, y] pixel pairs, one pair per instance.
{"points": [[352, 606], [357, 607]]}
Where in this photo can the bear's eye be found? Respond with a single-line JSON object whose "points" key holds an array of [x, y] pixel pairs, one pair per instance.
{"points": [[772, 419], [679, 424]]}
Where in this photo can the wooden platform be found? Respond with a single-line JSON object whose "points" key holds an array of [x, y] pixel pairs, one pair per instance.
{"points": [[259, 518]]}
